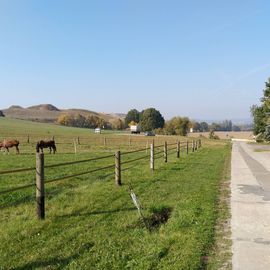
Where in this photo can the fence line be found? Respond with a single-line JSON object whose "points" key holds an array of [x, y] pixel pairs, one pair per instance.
{"points": [[40, 175], [133, 160], [76, 162], [78, 174], [18, 170], [16, 189]]}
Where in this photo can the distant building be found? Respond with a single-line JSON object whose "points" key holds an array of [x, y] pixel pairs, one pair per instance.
{"points": [[98, 130], [191, 130]]}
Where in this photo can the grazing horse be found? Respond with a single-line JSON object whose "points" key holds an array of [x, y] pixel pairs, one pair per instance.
{"points": [[10, 143], [46, 144]]}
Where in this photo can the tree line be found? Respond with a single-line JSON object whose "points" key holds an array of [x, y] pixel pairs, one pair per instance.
{"points": [[149, 119], [90, 121]]}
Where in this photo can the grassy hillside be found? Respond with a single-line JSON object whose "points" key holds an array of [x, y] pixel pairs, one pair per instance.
{"points": [[92, 224], [50, 113]]}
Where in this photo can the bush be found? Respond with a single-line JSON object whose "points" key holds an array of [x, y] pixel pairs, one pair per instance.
{"points": [[213, 136]]}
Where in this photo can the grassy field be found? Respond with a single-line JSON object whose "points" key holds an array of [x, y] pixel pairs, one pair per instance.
{"points": [[226, 135], [92, 224]]}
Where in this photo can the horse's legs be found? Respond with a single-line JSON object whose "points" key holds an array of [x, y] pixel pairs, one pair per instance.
{"points": [[7, 150], [50, 150], [17, 149], [41, 149]]}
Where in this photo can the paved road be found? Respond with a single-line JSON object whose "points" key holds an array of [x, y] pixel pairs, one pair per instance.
{"points": [[250, 206]]}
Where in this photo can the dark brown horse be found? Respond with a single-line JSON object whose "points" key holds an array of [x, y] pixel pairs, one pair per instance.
{"points": [[46, 144], [6, 144]]}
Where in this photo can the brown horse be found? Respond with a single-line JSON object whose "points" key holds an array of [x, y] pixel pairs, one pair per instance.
{"points": [[46, 144], [10, 143]]}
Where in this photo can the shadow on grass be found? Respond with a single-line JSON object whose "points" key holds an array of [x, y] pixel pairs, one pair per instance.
{"points": [[25, 199], [79, 213], [8, 202], [56, 263]]}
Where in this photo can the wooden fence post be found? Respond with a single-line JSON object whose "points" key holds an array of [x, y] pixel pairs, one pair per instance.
{"points": [[200, 143], [118, 168], [165, 152], [152, 157], [196, 145], [178, 149], [40, 189], [28, 139], [105, 142], [75, 147], [187, 147], [193, 146], [79, 141], [129, 141]]}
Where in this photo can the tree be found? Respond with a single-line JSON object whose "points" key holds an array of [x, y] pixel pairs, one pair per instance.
{"points": [[204, 127], [132, 115], [236, 128], [261, 117], [177, 126], [151, 119], [197, 127], [65, 120], [212, 135], [215, 127], [117, 124]]}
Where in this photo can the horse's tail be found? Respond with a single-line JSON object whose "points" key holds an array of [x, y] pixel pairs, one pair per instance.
{"points": [[37, 147]]}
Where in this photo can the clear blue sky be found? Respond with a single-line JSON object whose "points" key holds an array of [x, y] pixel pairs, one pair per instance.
{"points": [[202, 59]]}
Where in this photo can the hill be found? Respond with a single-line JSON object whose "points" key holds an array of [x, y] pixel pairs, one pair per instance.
{"points": [[49, 113]]}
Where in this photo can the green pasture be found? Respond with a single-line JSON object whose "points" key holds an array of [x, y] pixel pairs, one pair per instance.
{"points": [[92, 224]]}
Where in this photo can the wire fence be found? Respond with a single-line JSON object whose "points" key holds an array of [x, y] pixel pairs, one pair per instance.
{"points": [[40, 181]]}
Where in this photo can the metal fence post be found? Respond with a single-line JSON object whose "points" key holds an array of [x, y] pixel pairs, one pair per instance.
{"points": [[152, 157], [40, 189], [187, 147], [118, 168]]}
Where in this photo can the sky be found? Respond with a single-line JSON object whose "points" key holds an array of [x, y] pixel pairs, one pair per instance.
{"points": [[201, 59]]}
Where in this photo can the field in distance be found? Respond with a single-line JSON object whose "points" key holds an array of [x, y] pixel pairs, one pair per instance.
{"points": [[248, 135]]}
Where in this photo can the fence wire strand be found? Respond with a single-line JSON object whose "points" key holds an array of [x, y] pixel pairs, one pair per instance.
{"points": [[76, 162], [135, 151], [133, 160], [18, 170], [17, 188], [78, 174]]}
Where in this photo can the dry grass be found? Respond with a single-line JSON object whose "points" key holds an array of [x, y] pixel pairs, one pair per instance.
{"points": [[226, 135]]}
